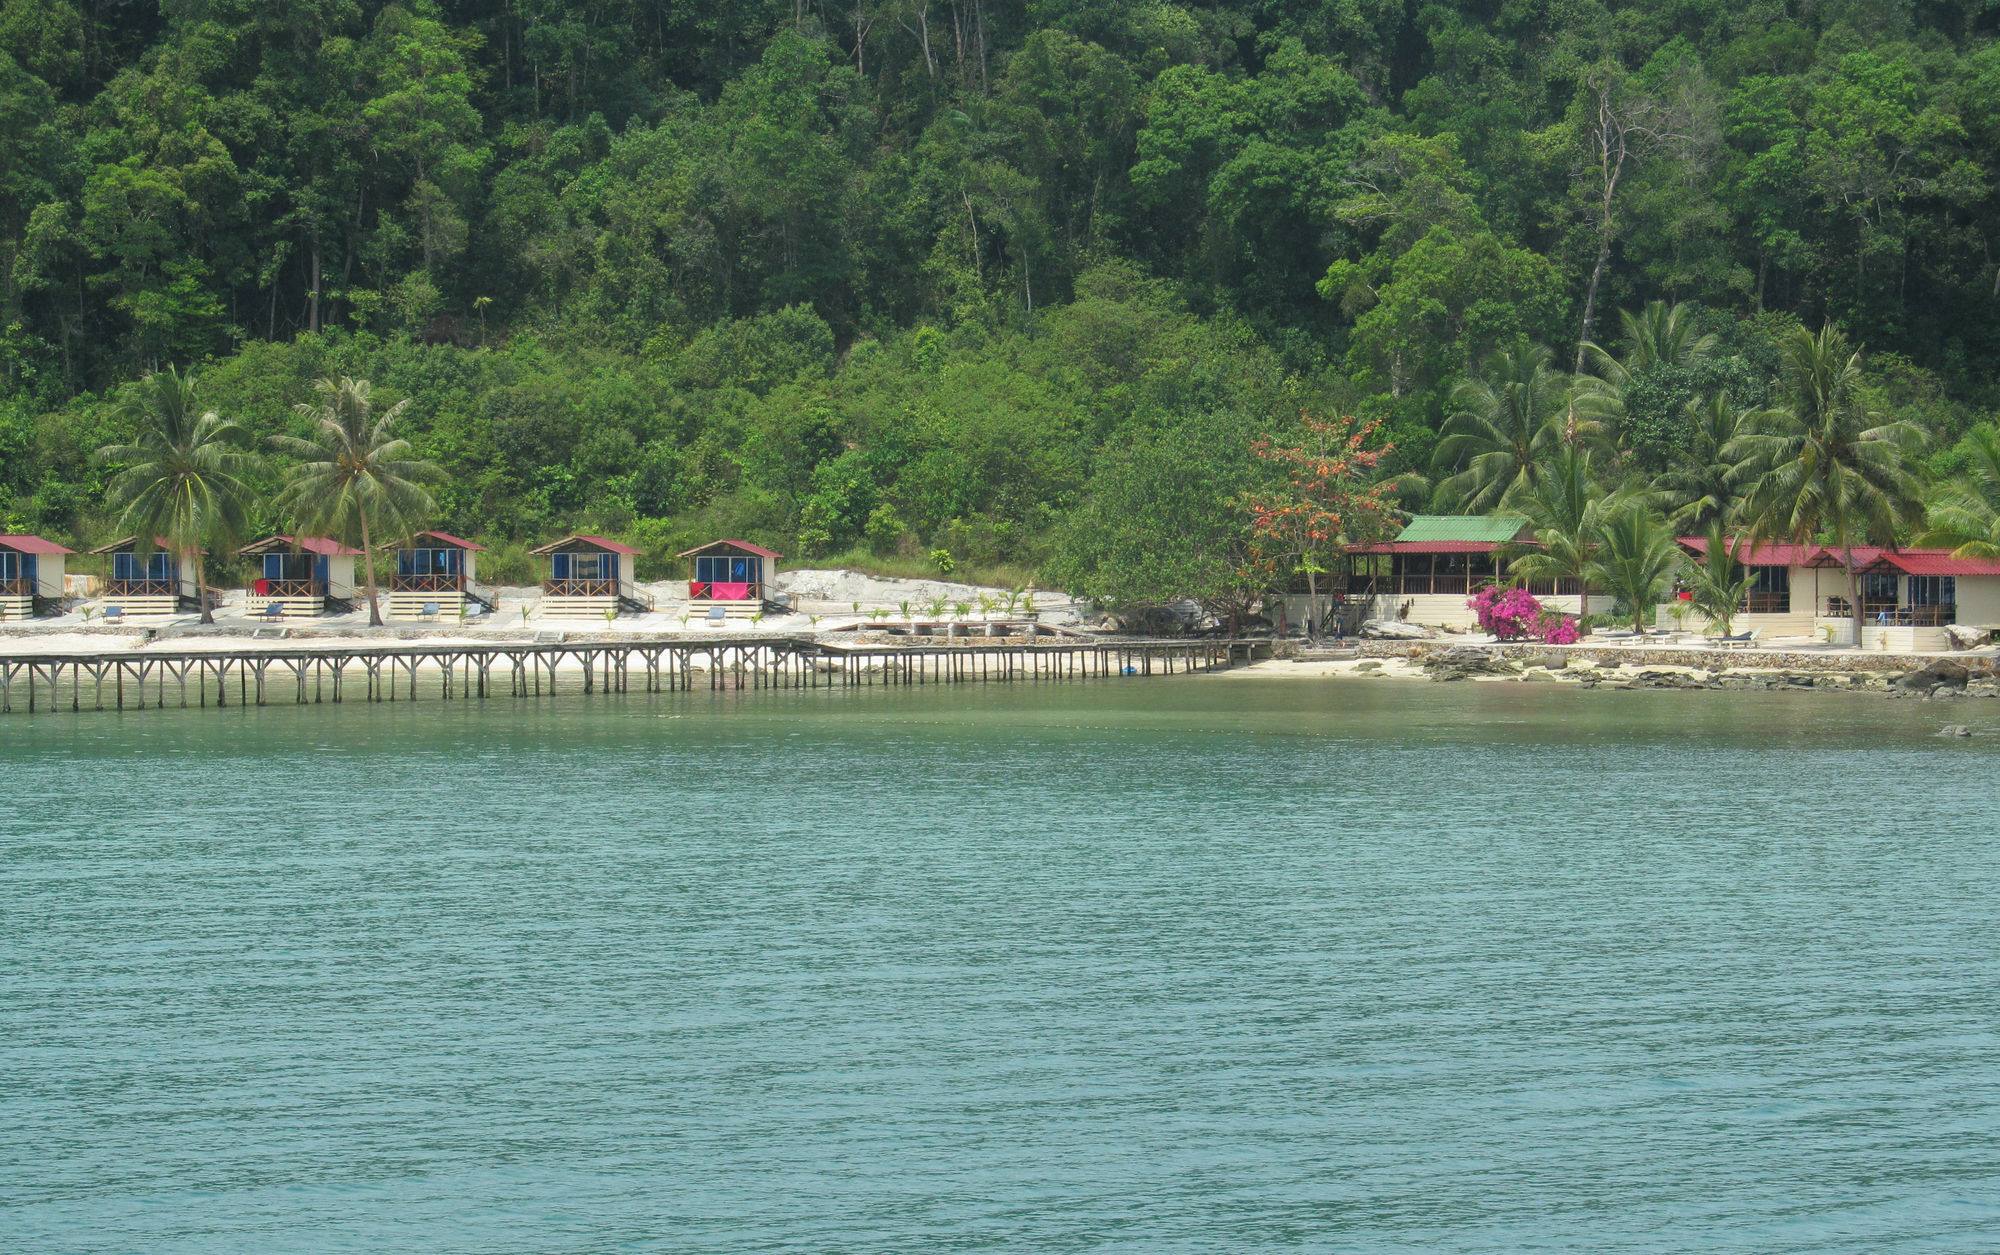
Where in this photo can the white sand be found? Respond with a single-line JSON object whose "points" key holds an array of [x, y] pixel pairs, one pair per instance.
{"points": [[826, 595]]}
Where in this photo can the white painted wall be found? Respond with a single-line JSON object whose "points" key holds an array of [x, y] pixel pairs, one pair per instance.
{"points": [[49, 575], [1979, 599], [340, 576]]}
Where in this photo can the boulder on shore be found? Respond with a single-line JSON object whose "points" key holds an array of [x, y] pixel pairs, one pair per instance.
{"points": [[1460, 662], [1942, 673], [1394, 630]]}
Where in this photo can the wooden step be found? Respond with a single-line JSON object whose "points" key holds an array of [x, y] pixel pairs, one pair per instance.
{"points": [[576, 607], [288, 607], [141, 607], [411, 606]]}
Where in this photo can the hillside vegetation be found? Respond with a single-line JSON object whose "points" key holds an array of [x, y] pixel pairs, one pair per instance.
{"points": [[870, 281]]}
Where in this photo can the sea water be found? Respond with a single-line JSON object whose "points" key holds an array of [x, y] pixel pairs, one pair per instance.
{"points": [[1199, 964]]}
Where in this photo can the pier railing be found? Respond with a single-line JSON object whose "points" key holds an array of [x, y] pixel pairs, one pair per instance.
{"points": [[127, 679]]}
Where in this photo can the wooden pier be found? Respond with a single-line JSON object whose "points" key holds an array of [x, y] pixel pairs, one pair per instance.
{"points": [[404, 671]]}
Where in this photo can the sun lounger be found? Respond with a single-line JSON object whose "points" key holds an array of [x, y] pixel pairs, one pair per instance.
{"points": [[716, 614], [1743, 640]]}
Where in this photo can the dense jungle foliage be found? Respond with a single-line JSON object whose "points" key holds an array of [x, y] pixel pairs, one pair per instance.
{"points": [[880, 278]]}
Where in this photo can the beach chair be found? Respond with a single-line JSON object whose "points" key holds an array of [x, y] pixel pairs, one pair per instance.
{"points": [[1743, 640], [274, 611], [716, 616], [114, 614], [430, 610]]}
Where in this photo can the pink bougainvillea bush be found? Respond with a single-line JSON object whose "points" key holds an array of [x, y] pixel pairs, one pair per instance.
{"points": [[1513, 614], [1507, 613], [1555, 628]]}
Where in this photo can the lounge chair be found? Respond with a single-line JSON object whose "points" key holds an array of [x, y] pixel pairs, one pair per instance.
{"points": [[430, 610], [1742, 640], [274, 610], [114, 614], [716, 615]]}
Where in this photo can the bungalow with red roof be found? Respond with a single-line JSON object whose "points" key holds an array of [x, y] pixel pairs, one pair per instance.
{"points": [[31, 575], [149, 580], [733, 575], [589, 577], [1428, 573], [435, 577], [1909, 597], [299, 576]]}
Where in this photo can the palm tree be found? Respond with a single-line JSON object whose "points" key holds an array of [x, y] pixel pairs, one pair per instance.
{"points": [[1658, 335], [1702, 486], [1506, 422], [1823, 463], [1965, 513], [1637, 557], [185, 477], [1720, 582], [1566, 512], [355, 479]]}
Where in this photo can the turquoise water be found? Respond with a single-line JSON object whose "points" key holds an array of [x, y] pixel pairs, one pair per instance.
{"points": [[1189, 965]]}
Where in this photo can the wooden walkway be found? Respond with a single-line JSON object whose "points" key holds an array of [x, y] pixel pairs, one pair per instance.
{"points": [[138, 679]]}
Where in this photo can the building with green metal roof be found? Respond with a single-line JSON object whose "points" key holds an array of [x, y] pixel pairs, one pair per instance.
{"points": [[1458, 529]]}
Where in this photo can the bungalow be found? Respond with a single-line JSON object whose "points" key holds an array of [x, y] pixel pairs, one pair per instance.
{"points": [[434, 576], [154, 582], [731, 574], [301, 576], [589, 577], [31, 575], [1430, 570], [1909, 597]]}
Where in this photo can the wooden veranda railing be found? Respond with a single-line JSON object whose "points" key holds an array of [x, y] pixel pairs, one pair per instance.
{"points": [[579, 588], [1889, 614], [704, 590], [142, 588], [426, 583], [290, 588]]}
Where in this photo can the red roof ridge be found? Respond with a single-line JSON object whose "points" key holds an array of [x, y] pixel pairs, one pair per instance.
{"points": [[21, 542], [759, 550], [608, 545], [450, 539], [311, 544]]}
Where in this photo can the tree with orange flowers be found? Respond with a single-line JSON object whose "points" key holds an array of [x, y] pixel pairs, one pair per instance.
{"points": [[1333, 497]]}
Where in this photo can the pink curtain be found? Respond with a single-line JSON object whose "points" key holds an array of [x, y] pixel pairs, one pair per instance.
{"points": [[729, 592]]}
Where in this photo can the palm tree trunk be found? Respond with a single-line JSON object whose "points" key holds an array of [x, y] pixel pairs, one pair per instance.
{"points": [[368, 573], [1853, 592], [1312, 605], [201, 587]]}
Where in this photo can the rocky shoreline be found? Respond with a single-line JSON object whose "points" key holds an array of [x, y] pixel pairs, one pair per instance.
{"points": [[1930, 677]]}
